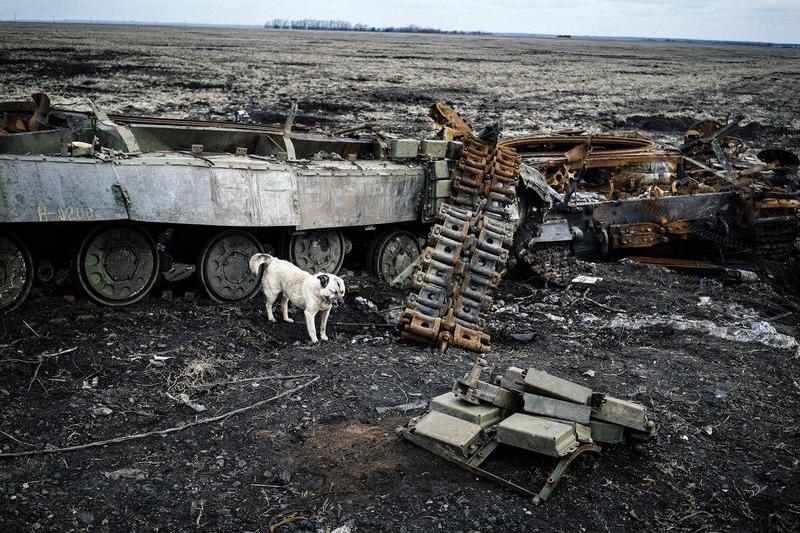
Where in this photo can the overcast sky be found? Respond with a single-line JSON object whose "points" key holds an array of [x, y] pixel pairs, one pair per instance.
{"points": [[741, 20]]}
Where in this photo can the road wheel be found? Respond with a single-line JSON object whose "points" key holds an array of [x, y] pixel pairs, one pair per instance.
{"points": [[224, 266], [317, 250], [391, 253], [16, 272], [117, 264]]}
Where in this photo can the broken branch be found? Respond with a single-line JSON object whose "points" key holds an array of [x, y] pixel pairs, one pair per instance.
{"points": [[175, 429]]}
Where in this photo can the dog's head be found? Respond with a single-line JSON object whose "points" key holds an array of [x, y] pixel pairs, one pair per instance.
{"points": [[331, 288]]}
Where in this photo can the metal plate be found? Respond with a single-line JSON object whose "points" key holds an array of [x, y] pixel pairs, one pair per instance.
{"points": [[537, 434], [48, 189], [337, 194], [219, 196]]}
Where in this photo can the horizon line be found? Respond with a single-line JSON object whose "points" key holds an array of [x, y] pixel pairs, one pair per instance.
{"points": [[476, 33]]}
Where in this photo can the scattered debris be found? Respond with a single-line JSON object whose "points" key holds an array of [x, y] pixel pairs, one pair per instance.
{"points": [[366, 305], [586, 280], [759, 331], [528, 409], [127, 473], [411, 406], [526, 337], [184, 399]]}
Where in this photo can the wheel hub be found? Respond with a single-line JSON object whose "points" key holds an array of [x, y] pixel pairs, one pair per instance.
{"points": [[318, 251], [235, 267], [396, 252], [118, 265], [225, 267], [121, 263]]}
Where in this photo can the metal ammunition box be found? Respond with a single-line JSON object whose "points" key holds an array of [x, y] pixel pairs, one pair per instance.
{"points": [[440, 170], [513, 379], [500, 397], [482, 415], [537, 434], [607, 433], [540, 382], [448, 430], [403, 148], [628, 414], [550, 407], [433, 149], [454, 149], [582, 432]]}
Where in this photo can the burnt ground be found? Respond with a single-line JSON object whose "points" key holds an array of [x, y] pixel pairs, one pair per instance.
{"points": [[721, 386], [725, 455]]}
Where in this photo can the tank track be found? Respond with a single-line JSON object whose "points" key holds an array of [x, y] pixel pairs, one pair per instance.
{"points": [[467, 252], [778, 241], [549, 262]]}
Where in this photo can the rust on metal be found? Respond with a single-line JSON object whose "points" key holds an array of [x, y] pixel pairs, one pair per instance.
{"points": [[467, 252]]}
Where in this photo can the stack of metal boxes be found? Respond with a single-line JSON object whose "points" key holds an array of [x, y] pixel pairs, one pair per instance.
{"points": [[528, 409]]}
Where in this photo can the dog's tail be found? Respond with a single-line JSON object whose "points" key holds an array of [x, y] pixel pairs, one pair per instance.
{"points": [[259, 259]]}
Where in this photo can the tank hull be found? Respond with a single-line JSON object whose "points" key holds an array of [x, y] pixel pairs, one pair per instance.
{"points": [[226, 191]]}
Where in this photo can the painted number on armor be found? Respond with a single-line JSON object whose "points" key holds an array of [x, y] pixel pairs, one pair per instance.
{"points": [[66, 214]]}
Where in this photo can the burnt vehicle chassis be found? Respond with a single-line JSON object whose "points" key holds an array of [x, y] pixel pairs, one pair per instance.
{"points": [[125, 202], [608, 197], [594, 196]]}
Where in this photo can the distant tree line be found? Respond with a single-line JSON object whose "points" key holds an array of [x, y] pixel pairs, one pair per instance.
{"points": [[343, 25]]}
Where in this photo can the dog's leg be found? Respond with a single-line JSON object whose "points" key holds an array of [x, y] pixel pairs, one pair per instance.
{"points": [[270, 301], [323, 324], [310, 326], [285, 308]]}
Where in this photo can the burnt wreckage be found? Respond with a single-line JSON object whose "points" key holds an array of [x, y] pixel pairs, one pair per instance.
{"points": [[704, 205], [127, 202]]}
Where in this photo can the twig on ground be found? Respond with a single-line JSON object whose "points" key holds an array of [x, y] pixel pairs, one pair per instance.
{"points": [[56, 354], [692, 515], [15, 341], [30, 328], [35, 373], [779, 317], [259, 378], [294, 517], [601, 305], [97, 444], [41, 359], [16, 439]]}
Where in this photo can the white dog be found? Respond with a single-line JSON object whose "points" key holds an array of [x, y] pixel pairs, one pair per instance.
{"points": [[314, 293]]}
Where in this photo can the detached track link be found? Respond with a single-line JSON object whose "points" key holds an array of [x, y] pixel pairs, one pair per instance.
{"points": [[467, 252]]}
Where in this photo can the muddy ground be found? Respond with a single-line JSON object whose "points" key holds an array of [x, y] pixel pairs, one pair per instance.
{"points": [[715, 362]]}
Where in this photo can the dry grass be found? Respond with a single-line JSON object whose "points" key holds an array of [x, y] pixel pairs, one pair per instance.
{"points": [[194, 373]]}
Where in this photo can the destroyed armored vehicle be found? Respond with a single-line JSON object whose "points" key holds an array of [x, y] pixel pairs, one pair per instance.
{"points": [[120, 200], [593, 196], [699, 206], [125, 202]]}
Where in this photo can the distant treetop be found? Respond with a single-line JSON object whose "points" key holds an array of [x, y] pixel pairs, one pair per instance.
{"points": [[343, 25]]}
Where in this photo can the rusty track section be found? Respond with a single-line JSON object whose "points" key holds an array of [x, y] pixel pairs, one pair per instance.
{"points": [[467, 250]]}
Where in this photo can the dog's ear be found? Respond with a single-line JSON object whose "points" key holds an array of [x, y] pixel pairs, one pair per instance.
{"points": [[323, 280]]}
